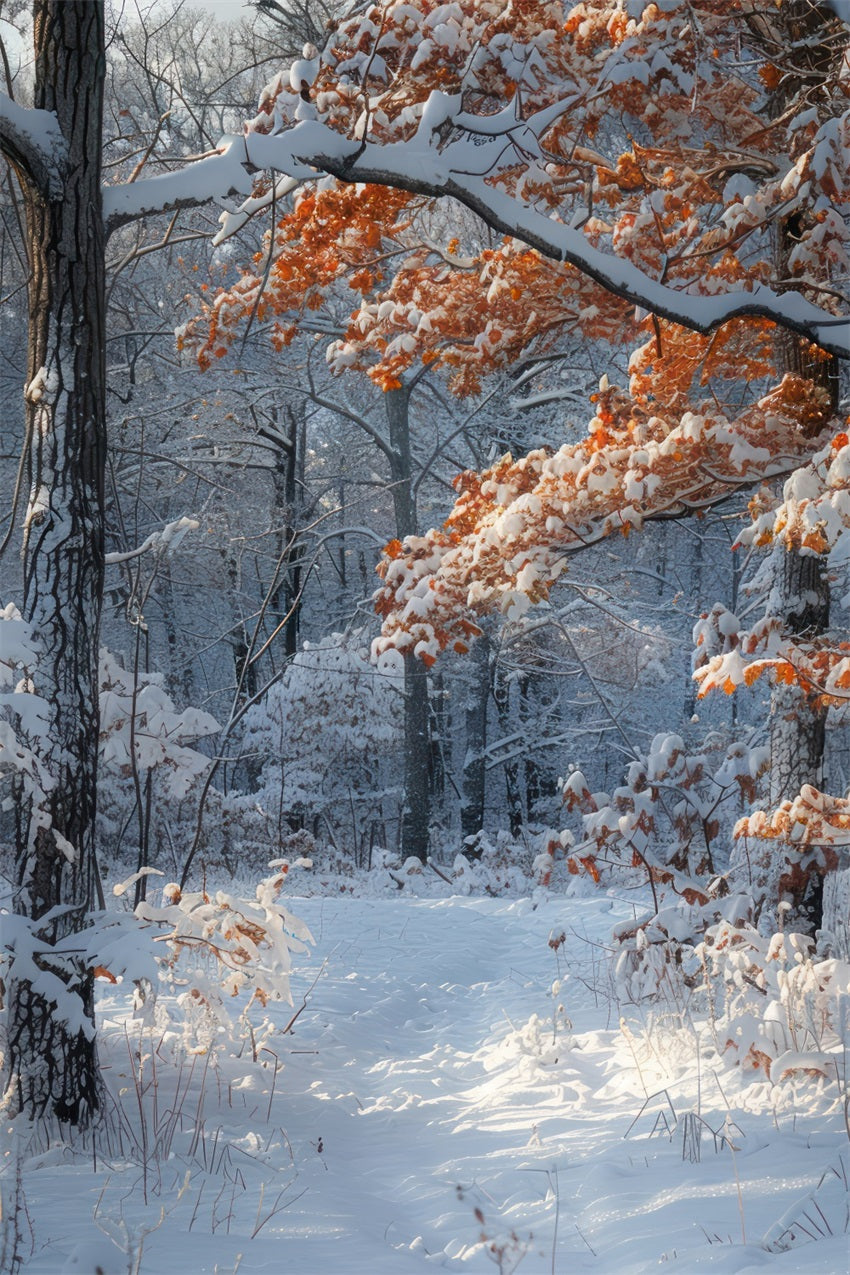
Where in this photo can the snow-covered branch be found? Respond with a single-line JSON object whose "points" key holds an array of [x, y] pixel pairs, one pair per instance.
{"points": [[311, 147], [32, 141], [227, 172]]}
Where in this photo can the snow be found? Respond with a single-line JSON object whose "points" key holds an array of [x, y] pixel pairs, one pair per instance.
{"points": [[36, 136], [462, 169], [212, 178], [460, 1093], [453, 170]]}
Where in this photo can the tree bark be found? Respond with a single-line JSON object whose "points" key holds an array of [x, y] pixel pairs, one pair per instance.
{"points": [[797, 725], [289, 479], [797, 737], [51, 1061], [474, 769], [513, 794], [416, 811]]}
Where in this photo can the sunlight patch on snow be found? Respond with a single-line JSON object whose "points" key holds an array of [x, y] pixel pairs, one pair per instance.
{"points": [[434, 1081]]}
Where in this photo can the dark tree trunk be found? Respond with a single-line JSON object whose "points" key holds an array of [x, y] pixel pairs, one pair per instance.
{"points": [[513, 794], [438, 725], [416, 812], [474, 769], [52, 1067], [289, 478]]}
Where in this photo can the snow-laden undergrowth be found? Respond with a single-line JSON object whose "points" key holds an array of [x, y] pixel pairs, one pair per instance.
{"points": [[462, 1091]]}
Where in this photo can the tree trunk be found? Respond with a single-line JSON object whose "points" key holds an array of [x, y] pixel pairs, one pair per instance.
{"points": [[438, 726], [797, 736], [797, 726], [513, 795], [474, 770], [416, 812], [52, 1063], [289, 479]]}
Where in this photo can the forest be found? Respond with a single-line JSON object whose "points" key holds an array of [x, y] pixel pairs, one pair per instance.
{"points": [[424, 671]]}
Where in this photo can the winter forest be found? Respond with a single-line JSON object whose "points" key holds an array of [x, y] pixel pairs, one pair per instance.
{"points": [[424, 656]]}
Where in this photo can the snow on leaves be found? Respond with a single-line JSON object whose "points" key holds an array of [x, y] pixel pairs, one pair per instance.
{"points": [[690, 209], [212, 952], [673, 144], [513, 527], [814, 518], [139, 726], [772, 993], [666, 818], [686, 210], [223, 948]]}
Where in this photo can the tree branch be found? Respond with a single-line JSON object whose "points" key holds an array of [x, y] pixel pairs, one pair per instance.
{"points": [[310, 148], [228, 171], [33, 143]]}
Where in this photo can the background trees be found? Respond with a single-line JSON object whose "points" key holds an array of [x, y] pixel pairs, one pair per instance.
{"points": [[670, 160], [698, 217]]}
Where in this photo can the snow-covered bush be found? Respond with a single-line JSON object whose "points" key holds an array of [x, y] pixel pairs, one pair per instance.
{"points": [[656, 954], [775, 1004], [223, 951], [214, 956], [327, 738], [146, 765], [666, 821], [140, 726]]}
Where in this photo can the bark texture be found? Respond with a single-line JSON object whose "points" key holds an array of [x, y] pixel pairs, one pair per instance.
{"points": [[416, 811], [797, 737], [51, 1060], [474, 765], [797, 725]]}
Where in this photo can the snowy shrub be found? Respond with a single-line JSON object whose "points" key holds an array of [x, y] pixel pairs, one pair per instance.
{"points": [[223, 951], [495, 865], [218, 955], [147, 768], [666, 821], [327, 738], [656, 955], [776, 1005], [555, 847], [139, 726]]}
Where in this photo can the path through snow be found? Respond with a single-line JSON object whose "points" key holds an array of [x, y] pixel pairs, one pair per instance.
{"points": [[430, 1113]]}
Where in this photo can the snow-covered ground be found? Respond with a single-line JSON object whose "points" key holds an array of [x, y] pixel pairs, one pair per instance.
{"points": [[437, 1106]]}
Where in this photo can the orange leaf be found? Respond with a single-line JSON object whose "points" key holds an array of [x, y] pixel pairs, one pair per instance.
{"points": [[100, 971], [589, 864]]}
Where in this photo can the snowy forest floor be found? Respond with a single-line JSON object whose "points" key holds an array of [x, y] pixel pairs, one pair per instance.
{"points": [[433, 1108]]}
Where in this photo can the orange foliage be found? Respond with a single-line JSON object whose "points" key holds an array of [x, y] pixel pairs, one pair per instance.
{"points": [[813, 515], [694, 204], [689, 212], [513, 527], [811, 819]]}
